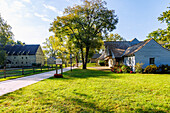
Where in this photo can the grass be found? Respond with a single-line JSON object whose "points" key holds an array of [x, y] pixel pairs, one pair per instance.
{"points": [[92, 91], [91, 65]]}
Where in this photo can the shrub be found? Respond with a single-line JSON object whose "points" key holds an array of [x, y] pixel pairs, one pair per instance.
{"points": [[101, 62], [125, 69], [151, 69], [116, 69], [138, 67], [164, 68]]}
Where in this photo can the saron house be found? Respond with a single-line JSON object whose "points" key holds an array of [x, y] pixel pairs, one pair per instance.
{"points": [[132, 52], [24, 55]]}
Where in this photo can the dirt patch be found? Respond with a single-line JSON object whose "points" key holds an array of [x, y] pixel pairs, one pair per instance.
{"points": [[103, 68]]}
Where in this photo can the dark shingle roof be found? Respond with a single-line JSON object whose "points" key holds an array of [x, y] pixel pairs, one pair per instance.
{"points": [[21, 49], [117, 48], [96, 55], [131, 50]]}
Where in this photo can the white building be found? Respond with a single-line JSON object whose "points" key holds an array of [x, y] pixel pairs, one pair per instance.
{"points": [[132, 52]]}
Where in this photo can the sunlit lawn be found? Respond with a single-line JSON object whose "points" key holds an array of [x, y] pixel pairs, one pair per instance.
{"points": [[92, 91]]}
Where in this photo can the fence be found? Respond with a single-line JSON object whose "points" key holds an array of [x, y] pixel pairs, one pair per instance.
{"points": [[8, 72]]}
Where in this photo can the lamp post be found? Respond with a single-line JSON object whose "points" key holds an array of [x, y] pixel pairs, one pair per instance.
{"points": [[71, 61]]}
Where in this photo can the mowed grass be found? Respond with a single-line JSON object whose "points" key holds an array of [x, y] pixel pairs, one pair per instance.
{"points": [[92, 91]]}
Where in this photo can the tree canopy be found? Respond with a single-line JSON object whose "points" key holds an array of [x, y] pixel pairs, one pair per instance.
{"points": [[114, 37], [84, 25], [5, 35], [162, 36]]}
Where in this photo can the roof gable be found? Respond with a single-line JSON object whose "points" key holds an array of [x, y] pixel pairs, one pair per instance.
{"points": [[133, 49]]}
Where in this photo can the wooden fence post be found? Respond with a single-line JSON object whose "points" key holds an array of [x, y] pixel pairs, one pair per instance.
{"points": [[22, 70], [56, 70], [4, 72], [61, 69], [41, 68], [33, 69]]}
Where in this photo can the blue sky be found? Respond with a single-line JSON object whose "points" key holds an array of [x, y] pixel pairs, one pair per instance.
{"points": [[30, 19]]}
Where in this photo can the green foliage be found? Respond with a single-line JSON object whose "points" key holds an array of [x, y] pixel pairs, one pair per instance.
{"points": [[151, 69], [125, 69], [164, 68], [162, 35], [84, 25], [5, 35], [114, 37], [102, 63], [2, 57], [138, 67], [117, 68], [91, 91]]}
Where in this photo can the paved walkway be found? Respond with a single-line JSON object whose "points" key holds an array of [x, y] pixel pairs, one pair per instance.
{"points": [[15, 84]]}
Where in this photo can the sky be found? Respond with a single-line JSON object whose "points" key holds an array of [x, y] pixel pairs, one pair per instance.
{"points": [[30, 19]]}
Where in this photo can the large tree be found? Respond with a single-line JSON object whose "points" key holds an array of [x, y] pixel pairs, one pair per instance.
{"points": [[84, 25], [5, 35], [162, 36], [114, 37]]}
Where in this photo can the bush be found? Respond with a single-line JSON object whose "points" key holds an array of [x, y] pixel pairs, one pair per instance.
{"points": [[164, 68], [119, 68], [101, 62], [151, 69], [138, 67], [125, 69]]}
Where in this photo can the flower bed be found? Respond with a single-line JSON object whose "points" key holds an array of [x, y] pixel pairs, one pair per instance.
{"points": [[58, 76]]}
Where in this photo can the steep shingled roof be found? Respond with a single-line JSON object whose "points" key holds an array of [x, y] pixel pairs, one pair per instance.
{"points": [[132, 49], [117, 48], [96, 55], [21, 49]]}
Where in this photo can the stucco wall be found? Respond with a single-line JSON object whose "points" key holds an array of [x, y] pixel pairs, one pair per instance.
{"points": [[21, 60], [39, 56], [152, 50]]}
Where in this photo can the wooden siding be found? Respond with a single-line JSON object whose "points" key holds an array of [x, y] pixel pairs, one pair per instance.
{"points": [[152, 50]]}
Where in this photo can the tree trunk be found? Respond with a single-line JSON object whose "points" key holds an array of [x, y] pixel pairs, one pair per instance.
{"points": [[77, 60], [86, 58], [82, 57]]}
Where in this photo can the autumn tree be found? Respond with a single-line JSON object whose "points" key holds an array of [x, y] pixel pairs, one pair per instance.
{"points": [[162, 36], [5, 35], [84, 25], [114, 37]]}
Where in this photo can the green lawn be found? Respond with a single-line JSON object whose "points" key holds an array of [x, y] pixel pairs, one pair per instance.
{"points": [[92, 91]]}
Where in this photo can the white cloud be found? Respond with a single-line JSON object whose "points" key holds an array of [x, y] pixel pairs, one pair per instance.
{"points": [[28, 1], [18, 5], [53, 9], [46, 19], [43, 17], [39, 15]]}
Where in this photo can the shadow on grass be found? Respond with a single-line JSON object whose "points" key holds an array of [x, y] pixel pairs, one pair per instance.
{"points": [[88, 73], [88, 106]]}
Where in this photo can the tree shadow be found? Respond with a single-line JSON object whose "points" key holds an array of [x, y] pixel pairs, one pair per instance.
{"points": [[89, 73]]}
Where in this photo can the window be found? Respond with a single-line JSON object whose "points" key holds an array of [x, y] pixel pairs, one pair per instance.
{"points": [[14, 57], [25, 57], [152, 60], [130, 60], [21, 62], [26, 62], [22, 57], [16, 62]]}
